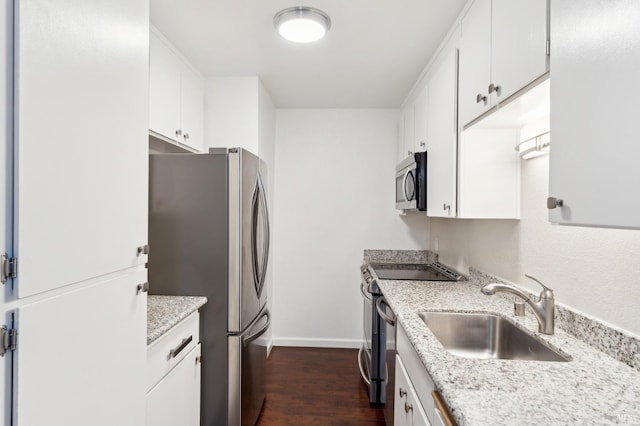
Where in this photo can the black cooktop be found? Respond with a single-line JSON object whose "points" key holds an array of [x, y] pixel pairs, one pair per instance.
{"points": [[419, 272]]}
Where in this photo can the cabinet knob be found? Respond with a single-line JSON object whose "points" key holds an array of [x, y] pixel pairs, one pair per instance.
{"points": [[407, 407], [494, 88], [178, 132], [553, 202], [143, 288], [409, 153], [143, 250], [186, 136], [481, 98], [423, 144], [403, 393]]}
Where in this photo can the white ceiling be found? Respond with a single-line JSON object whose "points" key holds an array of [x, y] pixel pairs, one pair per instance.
{"points": [[371, 57]]}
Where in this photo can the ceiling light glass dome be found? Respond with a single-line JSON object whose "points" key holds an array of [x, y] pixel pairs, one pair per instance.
{"points": [[302, 24]]}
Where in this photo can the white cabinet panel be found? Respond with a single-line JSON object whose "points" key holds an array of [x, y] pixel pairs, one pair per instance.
{"points": [[595, 58], [81, 139], [475, 61], [518, 44], [164, 89], [409, 130], [81, 356], [442, 133], [407, 410], [192, 108], [175, 400], [420, 121], [489, 178]]}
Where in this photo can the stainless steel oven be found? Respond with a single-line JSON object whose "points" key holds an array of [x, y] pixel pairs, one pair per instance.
{"points": [[369, 354], [411, 183]]}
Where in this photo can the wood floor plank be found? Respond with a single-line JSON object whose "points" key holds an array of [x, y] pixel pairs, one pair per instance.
{"points": [[316, 386]]}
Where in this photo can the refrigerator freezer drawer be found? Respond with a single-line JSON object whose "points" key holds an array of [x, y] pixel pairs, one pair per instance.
{"points": [[166, 352]]}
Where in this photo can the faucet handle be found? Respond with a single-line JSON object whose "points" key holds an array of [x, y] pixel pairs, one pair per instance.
{"points": [[546, 292]]}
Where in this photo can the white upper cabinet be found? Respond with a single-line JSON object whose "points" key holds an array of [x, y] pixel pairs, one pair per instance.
{"points": [[442, 121], [595, 58], [176, 96], [420, 122], [503, 49], [81, 114], [475, 61], [406, 140]]}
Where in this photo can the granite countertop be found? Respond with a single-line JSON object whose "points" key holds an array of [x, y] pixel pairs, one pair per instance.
{"points": [[164, 312], [593, 388]]}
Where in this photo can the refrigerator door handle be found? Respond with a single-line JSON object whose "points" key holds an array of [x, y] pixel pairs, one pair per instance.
{"points": [[267, 234], [251, 337], [254, 237]]}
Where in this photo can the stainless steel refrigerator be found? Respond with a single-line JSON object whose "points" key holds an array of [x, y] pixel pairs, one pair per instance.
{"points": [[209, 236]]}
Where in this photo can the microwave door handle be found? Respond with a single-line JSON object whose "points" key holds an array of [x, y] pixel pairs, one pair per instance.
{"points": [[404, 185]]}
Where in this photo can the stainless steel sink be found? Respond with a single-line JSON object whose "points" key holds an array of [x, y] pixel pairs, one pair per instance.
{"points": [[487, 336]]}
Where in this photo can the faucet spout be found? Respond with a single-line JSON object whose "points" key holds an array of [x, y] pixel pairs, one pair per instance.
{"points": [[543, 308]]}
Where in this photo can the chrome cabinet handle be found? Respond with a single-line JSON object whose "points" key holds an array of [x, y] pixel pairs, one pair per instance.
{"points": [[480, 98], [553, 202], [409, 153], [495, 88], [423, 144], [142, 288], [179, 132], [186, 136], [403, 393], [185, 342], [407, 407], [143, 250]]}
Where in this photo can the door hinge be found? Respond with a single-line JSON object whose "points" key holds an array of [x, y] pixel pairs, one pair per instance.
{"points": [[8, 268], [8, 340], [548, 47]]}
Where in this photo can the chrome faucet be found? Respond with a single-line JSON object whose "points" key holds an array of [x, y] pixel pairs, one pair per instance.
{"points": [[543, 308]]}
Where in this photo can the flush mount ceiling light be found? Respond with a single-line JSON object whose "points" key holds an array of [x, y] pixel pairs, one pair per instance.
{"points": [[302, 24]]}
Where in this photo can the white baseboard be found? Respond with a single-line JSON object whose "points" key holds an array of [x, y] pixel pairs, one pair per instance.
{"points": [[317, 343]]}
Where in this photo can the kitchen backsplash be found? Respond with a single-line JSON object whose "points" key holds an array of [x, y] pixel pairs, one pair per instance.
{"points": [[399, 256]]}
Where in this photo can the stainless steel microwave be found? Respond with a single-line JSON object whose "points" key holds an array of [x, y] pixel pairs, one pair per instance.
{"points": [[411, 183]]}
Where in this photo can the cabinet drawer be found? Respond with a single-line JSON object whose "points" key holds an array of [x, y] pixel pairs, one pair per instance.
{"points": [[166, 352], [416, 371]]}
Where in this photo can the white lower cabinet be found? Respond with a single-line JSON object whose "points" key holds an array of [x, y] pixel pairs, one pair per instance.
{"points": [[173, 376], [175, 400], [407, 410]]}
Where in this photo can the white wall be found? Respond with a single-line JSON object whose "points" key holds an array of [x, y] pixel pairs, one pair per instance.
{"points": [[595, 271], [231, 112], [334, 197]]}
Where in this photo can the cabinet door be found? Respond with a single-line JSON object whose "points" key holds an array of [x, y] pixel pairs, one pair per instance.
{"points": [[192, 108], [164, 90], [81, 356], [595, 57], [475, 61], [518, 44], [175, 400], [81, 139], [442, 134], [409, 130], [407, 410], [420, 121]]}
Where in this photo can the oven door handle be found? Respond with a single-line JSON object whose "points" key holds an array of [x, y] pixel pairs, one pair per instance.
{"points": [[364, 294], [390, 320], [362, 373]]}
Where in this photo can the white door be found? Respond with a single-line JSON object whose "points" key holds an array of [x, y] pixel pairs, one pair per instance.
{"points": [[81, 356], [164, 90], [595, 58], [6, 172], [518, 44], [81, 139], [175, 400], [443, 134], [475, 61]]}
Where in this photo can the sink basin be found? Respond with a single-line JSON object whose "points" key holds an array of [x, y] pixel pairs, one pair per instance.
{"points": [[487, 336]]}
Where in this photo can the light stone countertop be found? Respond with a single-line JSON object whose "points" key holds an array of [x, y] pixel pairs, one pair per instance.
{"points": [[593, 388], [164, 312]]}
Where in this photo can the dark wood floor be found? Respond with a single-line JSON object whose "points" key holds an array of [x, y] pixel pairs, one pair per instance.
{"points": [[316, 386]]}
